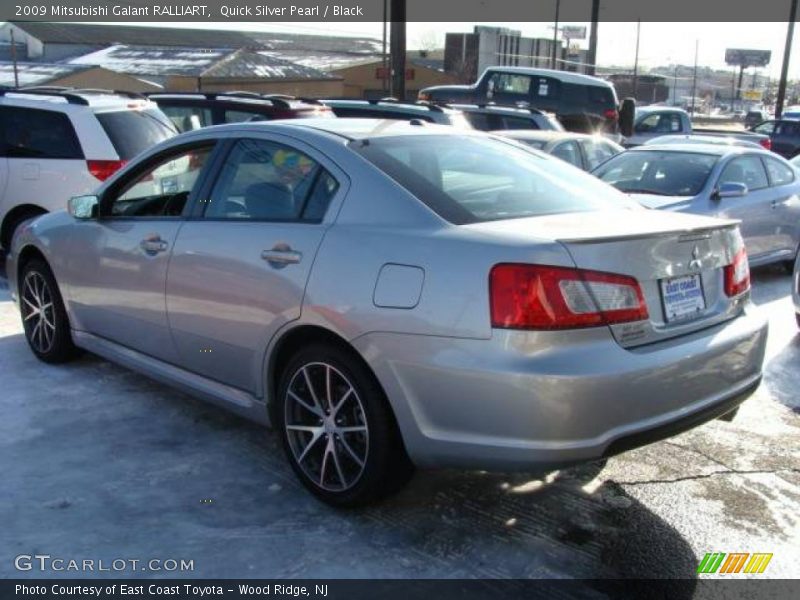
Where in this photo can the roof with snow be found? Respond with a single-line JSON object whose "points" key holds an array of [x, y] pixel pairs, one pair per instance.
{"points": [[196, 62], [37, 73]]}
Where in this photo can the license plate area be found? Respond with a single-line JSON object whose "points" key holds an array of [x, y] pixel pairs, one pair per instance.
{"points": [[682, 298]]}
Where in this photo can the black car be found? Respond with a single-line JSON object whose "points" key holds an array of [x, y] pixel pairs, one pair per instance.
{"points": [[784, 134], [189, 111], [754, 117]]}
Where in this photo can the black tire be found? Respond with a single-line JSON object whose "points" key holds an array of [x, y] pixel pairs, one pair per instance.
{"points": [[47, 330], [357, 402]]}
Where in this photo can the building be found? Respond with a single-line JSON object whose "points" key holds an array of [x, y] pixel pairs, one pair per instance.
{"points": [[650, 89], [467, 55], [65, 75], [370, 79], [214, 69]]}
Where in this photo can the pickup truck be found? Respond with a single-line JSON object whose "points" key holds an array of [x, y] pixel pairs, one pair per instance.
{"points": [[581, 103], [655, 121]]}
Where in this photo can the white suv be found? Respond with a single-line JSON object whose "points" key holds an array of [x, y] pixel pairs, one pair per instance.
{"points": [[55, 144]]}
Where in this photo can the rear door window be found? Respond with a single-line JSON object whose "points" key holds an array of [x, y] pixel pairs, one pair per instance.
{"points": [[35, 133], [747, 170], [597, 152], [510, 86], [518, 123], [134, 131], [568, 152], [779, 173], [188, 118]]}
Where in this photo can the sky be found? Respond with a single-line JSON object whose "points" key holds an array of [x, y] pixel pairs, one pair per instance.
{"points": [[660, 43]]}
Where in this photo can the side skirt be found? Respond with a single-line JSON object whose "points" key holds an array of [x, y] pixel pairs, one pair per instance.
{"points": [[232, 399]]}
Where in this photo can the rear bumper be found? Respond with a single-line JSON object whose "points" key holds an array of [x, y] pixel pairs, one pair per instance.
{"points": [[525, 400]]}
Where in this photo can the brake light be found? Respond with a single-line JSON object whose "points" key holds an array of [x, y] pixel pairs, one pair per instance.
{"points": [[103, 169], [611, 114], [766, 143], [737, 274], [544, 297]]}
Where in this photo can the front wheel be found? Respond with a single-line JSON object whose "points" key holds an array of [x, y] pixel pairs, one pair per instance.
{"points": [[44, 317], [337, 428]]}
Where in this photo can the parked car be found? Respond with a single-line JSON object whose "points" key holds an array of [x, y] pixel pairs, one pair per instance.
{"points": [[784, 134], [581, 103], [390, 294], [190, 111], [56, 143], [583, 151], [796, 289], [488, 117], [394, 109], [791, 112], [754, 117], [701, 139], [757, 187], [655, 121]]}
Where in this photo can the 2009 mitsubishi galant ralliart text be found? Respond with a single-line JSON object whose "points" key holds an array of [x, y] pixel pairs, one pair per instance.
{"points": [[391, 294]]}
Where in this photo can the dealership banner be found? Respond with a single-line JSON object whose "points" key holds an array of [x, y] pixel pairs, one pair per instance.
{"points": [[374, 10], [395, 589]]}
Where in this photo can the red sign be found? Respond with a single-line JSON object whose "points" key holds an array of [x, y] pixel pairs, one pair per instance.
{"points": [[383, 73]]}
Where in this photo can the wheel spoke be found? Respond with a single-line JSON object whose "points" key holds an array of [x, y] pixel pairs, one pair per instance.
{"points": [[339, 472], [351, 429], [30, 315], [312, 409], [315, 437], [328, 396], [342, 400], [35, 333], [311, 389], [32, 306], [350, 451], [324, 466]]}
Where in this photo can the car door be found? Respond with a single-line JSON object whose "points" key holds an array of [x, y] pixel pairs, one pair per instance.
{"points": [[785, 203], [754, 209], [784, 138], [238, 271], [119, 261]]}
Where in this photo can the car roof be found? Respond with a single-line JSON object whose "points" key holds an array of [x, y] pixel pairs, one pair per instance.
{"points": [[653, 109], [94, 99], [566, 76], [717, 149], [544, 135], [691, 138], [497, 108], [248, 98]]}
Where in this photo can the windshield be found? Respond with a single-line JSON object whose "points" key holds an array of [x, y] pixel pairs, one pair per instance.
{"points": [[469, 179], [663, 173], [133, 131]]}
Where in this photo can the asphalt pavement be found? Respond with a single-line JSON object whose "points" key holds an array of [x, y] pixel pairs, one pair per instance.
{"points": [[99, 462]]}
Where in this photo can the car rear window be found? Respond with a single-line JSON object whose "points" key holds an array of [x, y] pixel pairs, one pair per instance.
{"points": [[133, 131], [469, 179], [660, 172], [35, 133]]}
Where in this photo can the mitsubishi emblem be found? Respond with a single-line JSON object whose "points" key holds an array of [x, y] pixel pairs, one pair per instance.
{"points": [[695, 264]]}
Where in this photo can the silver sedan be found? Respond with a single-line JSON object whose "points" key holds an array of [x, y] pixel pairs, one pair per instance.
{"points": [[759, 188], [393, 294]]}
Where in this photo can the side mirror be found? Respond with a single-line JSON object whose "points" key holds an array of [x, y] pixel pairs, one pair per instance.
{"points": [[83, 207], [730, 190]]}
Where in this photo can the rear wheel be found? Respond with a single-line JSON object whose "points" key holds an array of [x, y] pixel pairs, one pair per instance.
{"points": [[43, 315], [337, 428]]}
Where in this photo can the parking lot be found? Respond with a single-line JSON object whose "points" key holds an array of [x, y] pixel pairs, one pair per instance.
{"points": [[101, 463]]}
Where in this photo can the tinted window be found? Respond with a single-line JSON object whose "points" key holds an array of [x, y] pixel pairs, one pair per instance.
{"points": [[270, 182], [779, 173], [34, 133], [163, 188], [767, 128], [568, 152], [484, 121], [188, 118], [509, 84], [747, 170], [786, 128], [469, 179], [519, 123], [133, 131], [658, 172]]}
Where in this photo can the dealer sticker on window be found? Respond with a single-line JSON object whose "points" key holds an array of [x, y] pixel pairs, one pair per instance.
{"points": [[683, 297]]}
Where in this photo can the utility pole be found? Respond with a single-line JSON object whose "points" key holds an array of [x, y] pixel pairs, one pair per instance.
{"points": [[555, 37], [385, 76], [674, 85], [787, 51], [591, 55], [398, 48], [14, 59], [636, 58], [694, 75]]}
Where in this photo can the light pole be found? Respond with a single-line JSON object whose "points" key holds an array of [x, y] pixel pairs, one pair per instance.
{"points": [[636, 58], [555, 36], [787, 52], [694, 74]]}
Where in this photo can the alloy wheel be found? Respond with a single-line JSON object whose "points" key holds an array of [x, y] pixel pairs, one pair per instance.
{"points": [[38, 312], [326, 426]]}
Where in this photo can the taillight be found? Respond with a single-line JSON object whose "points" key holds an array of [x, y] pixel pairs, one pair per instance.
{"points": [[611, 114], [737, 274], [103, 169], [766, 143], [544, 297]]}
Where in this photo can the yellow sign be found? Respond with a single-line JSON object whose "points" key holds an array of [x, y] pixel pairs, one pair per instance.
{"points": [[752, 94]]}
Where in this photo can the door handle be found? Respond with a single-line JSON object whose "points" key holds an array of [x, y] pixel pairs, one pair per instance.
{"points": [[153, 244], [781, 202], [281, 255]]}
